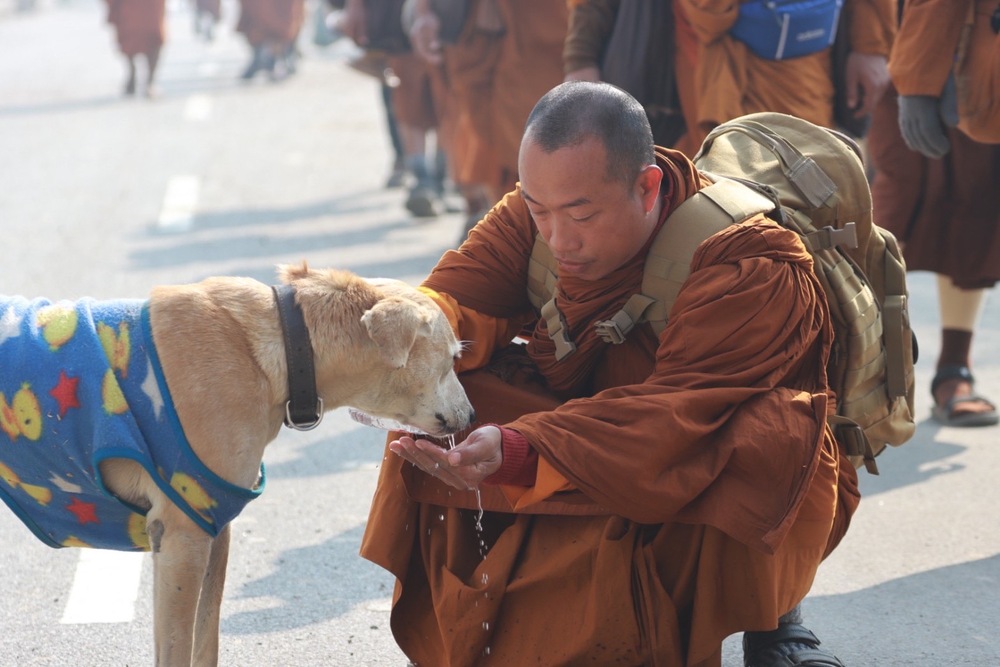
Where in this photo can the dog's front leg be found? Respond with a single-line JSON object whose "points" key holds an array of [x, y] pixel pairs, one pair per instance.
{"points": [[206, 635], [180, 560]]}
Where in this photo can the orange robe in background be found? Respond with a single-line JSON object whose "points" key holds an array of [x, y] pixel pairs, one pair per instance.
{"points": [[732, 81], [933, 33], [271, 20], [690, 492], [496, 78], [139, 24]]}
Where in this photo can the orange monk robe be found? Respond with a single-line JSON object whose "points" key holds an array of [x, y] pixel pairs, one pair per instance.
{"points": [[139, 24], [271, 20], [498, 77], [732, 81], [932, 34], [692, 496]]}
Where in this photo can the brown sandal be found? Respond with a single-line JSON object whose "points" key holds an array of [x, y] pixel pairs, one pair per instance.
{"points": [[950, 413]]}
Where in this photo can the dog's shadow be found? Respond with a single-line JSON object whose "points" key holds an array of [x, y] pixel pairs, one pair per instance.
{"points": [[315, 584]]}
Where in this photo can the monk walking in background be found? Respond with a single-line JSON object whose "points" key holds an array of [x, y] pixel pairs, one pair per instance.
{"points": [[936, 152], [272, 28], [141, 30]]}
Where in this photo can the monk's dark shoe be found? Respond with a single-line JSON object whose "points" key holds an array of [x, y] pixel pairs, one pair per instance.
{"points": [[791, 645]]}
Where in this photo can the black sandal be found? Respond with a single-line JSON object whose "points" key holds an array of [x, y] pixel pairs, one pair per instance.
{"points": [[761, 649], [945, 414]]}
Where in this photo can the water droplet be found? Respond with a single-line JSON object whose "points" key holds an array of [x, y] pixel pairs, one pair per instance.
{"points": [[486, 577], [486, 625], [441, 517], [486, 651]]}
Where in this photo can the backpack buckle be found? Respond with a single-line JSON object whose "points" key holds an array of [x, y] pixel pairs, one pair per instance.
{"points": [[831, 237], [616, 329]]}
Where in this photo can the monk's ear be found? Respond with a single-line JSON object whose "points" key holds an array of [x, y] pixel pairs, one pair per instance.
{"points": [[647, 185], [393, 324]]}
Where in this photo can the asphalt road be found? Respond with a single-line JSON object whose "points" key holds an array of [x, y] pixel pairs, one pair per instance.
{"points": [[106, 197]]}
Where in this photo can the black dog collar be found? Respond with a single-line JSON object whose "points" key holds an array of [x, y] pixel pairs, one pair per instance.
{"points": [[304, 409]]}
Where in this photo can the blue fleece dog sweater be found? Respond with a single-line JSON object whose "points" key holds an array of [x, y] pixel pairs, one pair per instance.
{"points": [[80, 383]]}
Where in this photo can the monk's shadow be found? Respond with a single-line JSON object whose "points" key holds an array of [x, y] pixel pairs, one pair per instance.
{"points": [[941, 616]]}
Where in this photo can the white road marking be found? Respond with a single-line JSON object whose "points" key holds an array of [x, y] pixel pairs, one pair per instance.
{"points": [[105, 587], [177, 213], [198, 108]]}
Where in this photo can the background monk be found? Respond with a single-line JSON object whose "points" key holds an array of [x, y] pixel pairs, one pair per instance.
{"points": [[935, 186], [731, 80], [507, 54], [140, 28], [271, 27], [643, 500]]}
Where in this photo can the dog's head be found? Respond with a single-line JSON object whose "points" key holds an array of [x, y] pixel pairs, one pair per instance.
{"points": [[402, 356]]}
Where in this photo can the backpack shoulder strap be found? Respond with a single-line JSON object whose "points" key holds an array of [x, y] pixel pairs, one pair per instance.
{"points": [[705, 214], [668, 263]]}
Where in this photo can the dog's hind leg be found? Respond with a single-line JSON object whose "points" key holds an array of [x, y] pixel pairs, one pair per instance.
{"points": [[180, 560], [206, 635]]}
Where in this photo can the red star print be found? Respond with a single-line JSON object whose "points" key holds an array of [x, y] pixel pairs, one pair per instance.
{"points": [[85, 512], [65, 393]]}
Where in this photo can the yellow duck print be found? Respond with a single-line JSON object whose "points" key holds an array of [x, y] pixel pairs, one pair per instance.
{"points": [[41, 494], [192, 492], [137, 531], [117, 347], [111, 393], [58, 324], [22, 416], [72, 541]]}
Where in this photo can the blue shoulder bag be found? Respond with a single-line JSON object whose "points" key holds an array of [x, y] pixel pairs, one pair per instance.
{"points": [[783, 29]]}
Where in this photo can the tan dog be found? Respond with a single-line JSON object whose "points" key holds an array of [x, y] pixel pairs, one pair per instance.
{"points": [[379, 346]]}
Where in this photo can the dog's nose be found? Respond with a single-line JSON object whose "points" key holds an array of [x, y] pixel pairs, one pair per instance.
{"points": [[472, 416]]}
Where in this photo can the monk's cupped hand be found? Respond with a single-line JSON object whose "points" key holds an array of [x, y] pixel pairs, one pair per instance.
{"points": [[464, 466]]}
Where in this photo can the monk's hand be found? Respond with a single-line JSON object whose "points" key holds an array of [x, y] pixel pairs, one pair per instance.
{"points": [[866, 78], [921, 126], [425, 36], [465, 466]]}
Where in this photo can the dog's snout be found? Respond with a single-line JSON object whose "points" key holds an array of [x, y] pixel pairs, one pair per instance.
{"points": [[460, 424]]}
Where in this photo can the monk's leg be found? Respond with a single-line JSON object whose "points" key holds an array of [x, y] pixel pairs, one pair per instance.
{"points": [[152, 60], [955, 400], [130, 81]]}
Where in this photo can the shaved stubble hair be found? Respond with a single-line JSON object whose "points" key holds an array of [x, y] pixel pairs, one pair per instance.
{"points": [[575, 111]]}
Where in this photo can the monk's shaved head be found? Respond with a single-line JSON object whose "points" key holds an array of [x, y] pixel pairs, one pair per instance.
{"points": [[575, 111]]}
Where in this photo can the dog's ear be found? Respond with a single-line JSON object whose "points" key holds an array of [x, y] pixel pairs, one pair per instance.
{"points": [[290, 272], [393, 324]]}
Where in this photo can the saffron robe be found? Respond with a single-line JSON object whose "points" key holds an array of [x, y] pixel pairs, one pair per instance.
{"points": [[688, 491], [496, 78], [731, 81], [277, 21], [945, 212], [140, 25], [939, 36]]}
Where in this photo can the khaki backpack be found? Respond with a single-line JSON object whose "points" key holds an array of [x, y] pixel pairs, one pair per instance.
{"points": [[812, 181]]}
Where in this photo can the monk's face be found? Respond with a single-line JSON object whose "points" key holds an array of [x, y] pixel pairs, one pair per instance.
{"points": [[592, 224]]}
